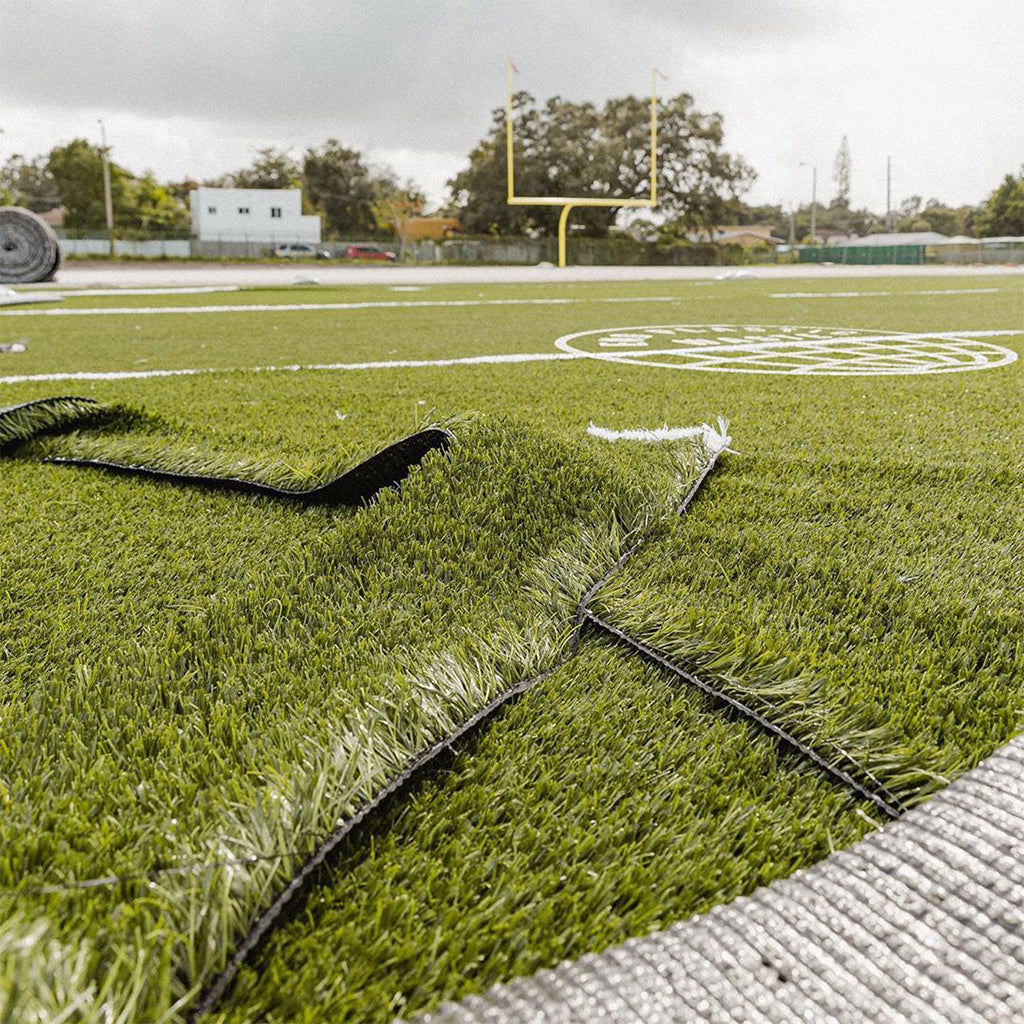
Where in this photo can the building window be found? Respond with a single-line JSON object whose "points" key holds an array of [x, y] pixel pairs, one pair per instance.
{"points": [[275, 212], [243, 209], [211, 209]]}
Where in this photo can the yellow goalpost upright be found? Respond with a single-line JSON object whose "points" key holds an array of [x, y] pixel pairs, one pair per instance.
{"points": [[568, 202]]}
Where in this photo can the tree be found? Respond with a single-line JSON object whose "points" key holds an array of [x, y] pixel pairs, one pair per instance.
{"points": [[568, 149], [394, 203], [1003, 211], [336, 182], [272, 168], [341, 186], [937, 216], [841, 175], [153, 207], [76, 171], [27, 183]]}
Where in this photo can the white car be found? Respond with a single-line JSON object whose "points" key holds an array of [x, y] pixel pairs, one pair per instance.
{"points": [[300, 250]]}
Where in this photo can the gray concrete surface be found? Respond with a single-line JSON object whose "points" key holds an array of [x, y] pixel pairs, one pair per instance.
{"points": [[922, 922], [158, 274]]}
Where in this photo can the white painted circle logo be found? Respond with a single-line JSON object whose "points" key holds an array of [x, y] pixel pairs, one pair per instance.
{"points": [[799, 351]]}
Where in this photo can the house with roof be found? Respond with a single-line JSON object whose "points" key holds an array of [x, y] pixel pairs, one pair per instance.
{"points": [[747, 235]]}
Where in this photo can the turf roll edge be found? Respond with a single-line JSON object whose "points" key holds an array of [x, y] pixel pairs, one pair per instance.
{"points": [[386, 468]]}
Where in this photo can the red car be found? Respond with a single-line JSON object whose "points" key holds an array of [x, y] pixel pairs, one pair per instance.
{"points": [[369, 251]]}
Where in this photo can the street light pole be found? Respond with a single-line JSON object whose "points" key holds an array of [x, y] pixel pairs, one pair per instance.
{"points": [[107, 200], [888, 193], [814, 201], [814, 204]]}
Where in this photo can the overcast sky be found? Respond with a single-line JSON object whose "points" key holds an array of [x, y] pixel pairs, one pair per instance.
{"points": [[194, 87]]}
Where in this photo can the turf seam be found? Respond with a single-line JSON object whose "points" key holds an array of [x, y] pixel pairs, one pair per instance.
{"points": [[385, 468], [267, 920], [881, 798], [358, 485]]}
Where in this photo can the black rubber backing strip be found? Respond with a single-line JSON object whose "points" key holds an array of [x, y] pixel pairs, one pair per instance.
{"points": [[388, 467], [881, 798]]}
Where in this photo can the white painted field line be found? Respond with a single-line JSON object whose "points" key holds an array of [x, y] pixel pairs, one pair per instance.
{"points": [[88, 293], [481, 360], [862, 295], [393, 364], [305, 307]]}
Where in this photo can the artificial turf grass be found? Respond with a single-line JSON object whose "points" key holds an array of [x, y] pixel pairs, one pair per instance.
{"points": [[25, 421], [924, 426], [230, 735], [904, 663], [259, 339], [617, 803], [294, 416]]}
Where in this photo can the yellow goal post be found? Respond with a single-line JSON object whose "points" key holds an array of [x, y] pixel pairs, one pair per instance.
{"points": [[568, 202]]}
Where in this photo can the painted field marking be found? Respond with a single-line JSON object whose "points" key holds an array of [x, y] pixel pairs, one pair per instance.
{"points": [[803, 351], [862, 295], [305, 307], [88, 293], [480, 360], [714, 440], [391, 364]]}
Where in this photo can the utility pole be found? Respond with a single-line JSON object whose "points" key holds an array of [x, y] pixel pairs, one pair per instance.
{"points": [[814, 205], [888, 193], [107, 200], [814, 202]]}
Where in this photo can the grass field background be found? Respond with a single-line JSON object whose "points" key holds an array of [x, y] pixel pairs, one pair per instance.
{"points": [[192, 678]]}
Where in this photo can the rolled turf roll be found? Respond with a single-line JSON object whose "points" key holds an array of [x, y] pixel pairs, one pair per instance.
{"points": [[29, 250]]}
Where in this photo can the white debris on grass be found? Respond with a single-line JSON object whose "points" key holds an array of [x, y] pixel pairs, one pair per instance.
{"points": [[715, 440]]}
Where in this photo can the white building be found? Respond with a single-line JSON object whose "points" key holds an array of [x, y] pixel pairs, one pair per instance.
{"points": [[264, 215]]}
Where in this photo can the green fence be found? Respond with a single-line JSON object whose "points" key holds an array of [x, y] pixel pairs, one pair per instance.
{"points": [[863, 254]]}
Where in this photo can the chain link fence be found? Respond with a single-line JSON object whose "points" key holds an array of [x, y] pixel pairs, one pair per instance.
{"points": [[597, 252]]}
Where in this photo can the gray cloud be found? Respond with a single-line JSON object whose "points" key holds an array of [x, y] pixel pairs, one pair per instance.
{"points": [[936, 81]]}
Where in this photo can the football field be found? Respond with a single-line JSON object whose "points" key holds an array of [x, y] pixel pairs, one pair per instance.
{"points": [[542, 695]]}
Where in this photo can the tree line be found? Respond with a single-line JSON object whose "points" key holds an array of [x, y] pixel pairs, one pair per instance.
{"points": [[351, 195], [561, 148]]}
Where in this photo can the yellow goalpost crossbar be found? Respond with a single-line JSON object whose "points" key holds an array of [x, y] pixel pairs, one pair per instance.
{"points": [[568, 202]]}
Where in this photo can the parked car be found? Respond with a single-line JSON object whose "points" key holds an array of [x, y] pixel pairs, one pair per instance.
{"points": [[369, 251], [300, 250]]}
